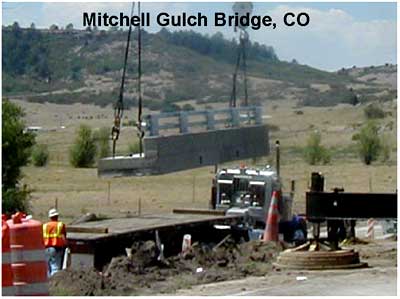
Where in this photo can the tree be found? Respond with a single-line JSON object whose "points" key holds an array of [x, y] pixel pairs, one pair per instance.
{"points": [[16, 145], [83, 151], [26, 52], [53, 27], [15, 26], [368, 143], [69, 27], [314, 152], [373, 111], [33, 26], [76, 73]]}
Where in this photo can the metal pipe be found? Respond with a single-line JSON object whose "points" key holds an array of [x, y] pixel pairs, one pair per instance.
{"points": [[292, 188]]}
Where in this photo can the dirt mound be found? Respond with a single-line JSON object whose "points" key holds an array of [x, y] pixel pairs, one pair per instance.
{"points": [[144, 273], [76, 283]]}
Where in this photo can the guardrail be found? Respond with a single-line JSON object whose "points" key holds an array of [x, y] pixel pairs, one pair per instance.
{"points": [[184, 121]]}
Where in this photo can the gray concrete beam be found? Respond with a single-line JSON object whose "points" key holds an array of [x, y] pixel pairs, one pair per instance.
{"points": [[165, 154]]}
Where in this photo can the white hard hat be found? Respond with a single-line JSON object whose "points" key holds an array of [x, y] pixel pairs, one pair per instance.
{"points": [[52, 213]]}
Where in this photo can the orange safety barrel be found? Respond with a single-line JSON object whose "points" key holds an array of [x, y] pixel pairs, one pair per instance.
{"points": [[28, 258], [7, 287]]}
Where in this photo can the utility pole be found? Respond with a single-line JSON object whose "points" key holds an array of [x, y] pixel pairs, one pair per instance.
{"points": [[278, 158]]}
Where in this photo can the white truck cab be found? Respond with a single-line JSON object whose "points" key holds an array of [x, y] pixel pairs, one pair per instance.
{"points": [[246, 191]]}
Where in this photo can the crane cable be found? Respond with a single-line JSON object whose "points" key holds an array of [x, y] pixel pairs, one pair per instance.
{"points": [[119, 106]]}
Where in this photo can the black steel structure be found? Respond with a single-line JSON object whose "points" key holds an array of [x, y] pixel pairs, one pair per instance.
{"points": [[341, 209], [345, 205]]}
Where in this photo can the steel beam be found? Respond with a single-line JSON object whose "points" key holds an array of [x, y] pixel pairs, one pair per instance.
{"points": [[345, 205]]}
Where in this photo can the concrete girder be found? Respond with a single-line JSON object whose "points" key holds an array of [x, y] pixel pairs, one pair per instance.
{"points": [[165, 154]]}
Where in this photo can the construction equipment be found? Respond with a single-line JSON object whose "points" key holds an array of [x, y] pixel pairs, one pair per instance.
{"points": [[340, 211], [248, 191]]}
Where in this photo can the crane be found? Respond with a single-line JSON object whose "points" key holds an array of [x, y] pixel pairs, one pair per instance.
{"points": [[119, 105], [241, 8]]}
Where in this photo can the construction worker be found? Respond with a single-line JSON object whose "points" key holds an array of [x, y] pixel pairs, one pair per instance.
{"points": [[294, 230], [55, 241]]}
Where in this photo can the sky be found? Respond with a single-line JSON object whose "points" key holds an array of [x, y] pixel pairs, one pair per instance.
{"points": [[339, 34]]}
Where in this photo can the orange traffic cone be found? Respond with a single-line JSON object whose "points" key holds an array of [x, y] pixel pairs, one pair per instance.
{"points": [[271, 225]]}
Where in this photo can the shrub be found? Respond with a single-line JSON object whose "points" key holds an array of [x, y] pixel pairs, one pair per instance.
{"points": [[273, 128], [373, 111], [188, 107], [102, 137], [83, 151], [368, 143], [40, 155], [314, 153], [134, 148], [168, 107], [129, 123]]}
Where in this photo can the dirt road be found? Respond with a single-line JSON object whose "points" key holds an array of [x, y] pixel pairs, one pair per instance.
{"points": [[370, 281], [379, 279]]}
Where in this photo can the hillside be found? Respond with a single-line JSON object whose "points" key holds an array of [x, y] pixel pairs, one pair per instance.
{"points": [[70, 66]]}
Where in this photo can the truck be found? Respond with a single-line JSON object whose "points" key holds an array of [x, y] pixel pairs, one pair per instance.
{"points": [[247, 191]]}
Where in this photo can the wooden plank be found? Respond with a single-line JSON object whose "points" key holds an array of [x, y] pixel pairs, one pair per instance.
{"points": [[87, 230], [199, 211]]}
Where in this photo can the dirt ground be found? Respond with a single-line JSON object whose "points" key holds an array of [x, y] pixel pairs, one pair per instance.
{"points": [[378, 279], [231, 269], [144, 274]]}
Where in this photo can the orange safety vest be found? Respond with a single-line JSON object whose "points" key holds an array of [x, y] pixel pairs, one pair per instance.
{"points": [[54, 234]]}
